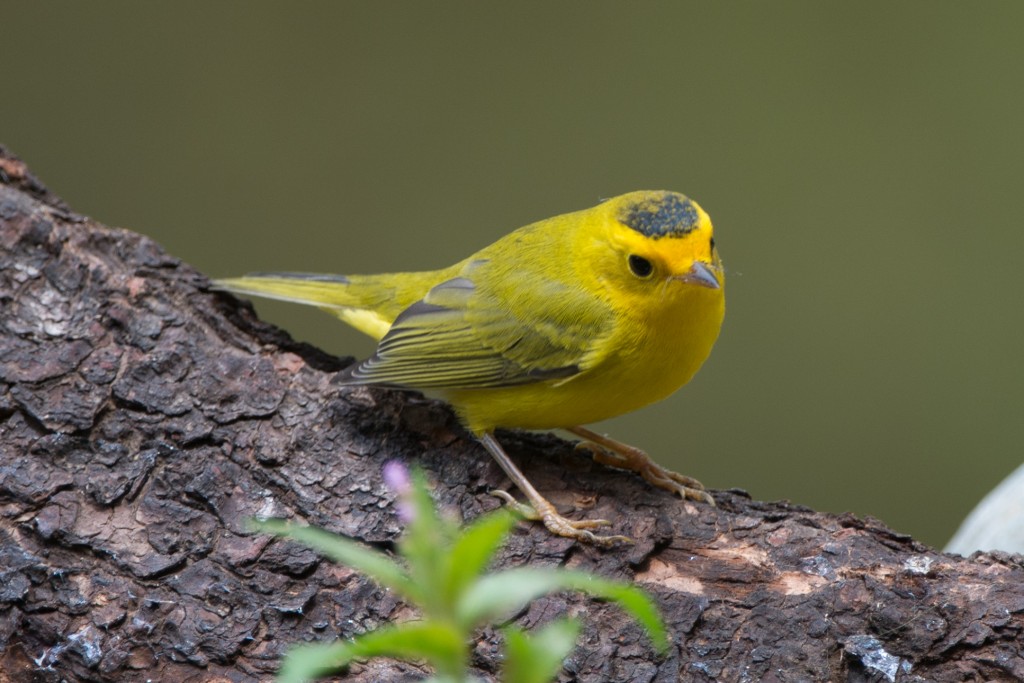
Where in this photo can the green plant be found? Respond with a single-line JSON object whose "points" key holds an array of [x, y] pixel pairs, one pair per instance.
{"points": [[443, 576]]}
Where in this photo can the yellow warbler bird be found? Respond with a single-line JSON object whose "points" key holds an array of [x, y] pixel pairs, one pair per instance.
{"points": [[571, 320]]}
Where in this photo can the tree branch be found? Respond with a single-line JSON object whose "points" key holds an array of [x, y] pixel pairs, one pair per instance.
{"points": [[143, 419]]}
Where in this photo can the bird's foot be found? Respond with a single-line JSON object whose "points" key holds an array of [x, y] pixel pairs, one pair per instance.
{"points": [[562, 526], [608, 451]]}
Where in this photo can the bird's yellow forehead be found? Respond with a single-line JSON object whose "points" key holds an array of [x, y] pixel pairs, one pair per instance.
{"points": [[659, 214]]}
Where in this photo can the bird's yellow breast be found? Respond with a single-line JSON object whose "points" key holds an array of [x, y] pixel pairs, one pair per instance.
{"points": [[654, 351]]}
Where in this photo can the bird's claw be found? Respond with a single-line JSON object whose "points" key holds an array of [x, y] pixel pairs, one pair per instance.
{"points": [[562, 526], [634, 459]]}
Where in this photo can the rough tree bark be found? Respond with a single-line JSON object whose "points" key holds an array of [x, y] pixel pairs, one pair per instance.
{"points": [[144, 418]]}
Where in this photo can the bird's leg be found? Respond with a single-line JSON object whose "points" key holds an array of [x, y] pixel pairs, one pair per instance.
{"points": [[542, 510], [617, 454]]}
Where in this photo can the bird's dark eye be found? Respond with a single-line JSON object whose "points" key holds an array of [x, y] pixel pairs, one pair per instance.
{"points": [[712, 244], [640, 266]]}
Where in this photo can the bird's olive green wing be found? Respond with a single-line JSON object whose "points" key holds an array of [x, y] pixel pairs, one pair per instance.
{"points": [[464, 335]]}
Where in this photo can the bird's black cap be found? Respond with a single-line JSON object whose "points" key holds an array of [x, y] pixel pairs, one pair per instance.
{"points": [[660, 214]]}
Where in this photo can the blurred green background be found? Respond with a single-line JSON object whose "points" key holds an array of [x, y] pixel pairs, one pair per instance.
{"points": [[862, 164]]}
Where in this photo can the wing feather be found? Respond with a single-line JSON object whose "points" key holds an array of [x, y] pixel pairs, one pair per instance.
{"points": [[462, 335]]}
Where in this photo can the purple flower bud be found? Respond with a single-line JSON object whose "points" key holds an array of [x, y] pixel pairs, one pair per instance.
{"points": [[396, 478]]}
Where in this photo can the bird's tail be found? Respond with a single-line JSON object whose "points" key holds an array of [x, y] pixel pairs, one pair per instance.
{"points": [[299, 288], [361, 301]]}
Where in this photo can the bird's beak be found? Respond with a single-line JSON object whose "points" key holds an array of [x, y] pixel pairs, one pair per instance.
{"points": [[700, 274]]}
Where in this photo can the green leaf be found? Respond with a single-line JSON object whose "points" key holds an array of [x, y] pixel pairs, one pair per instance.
{"points": [[538, 658], [473, 550], [425, 545], [439, 644], [309, 662], [498, 595], [375, 564]]}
